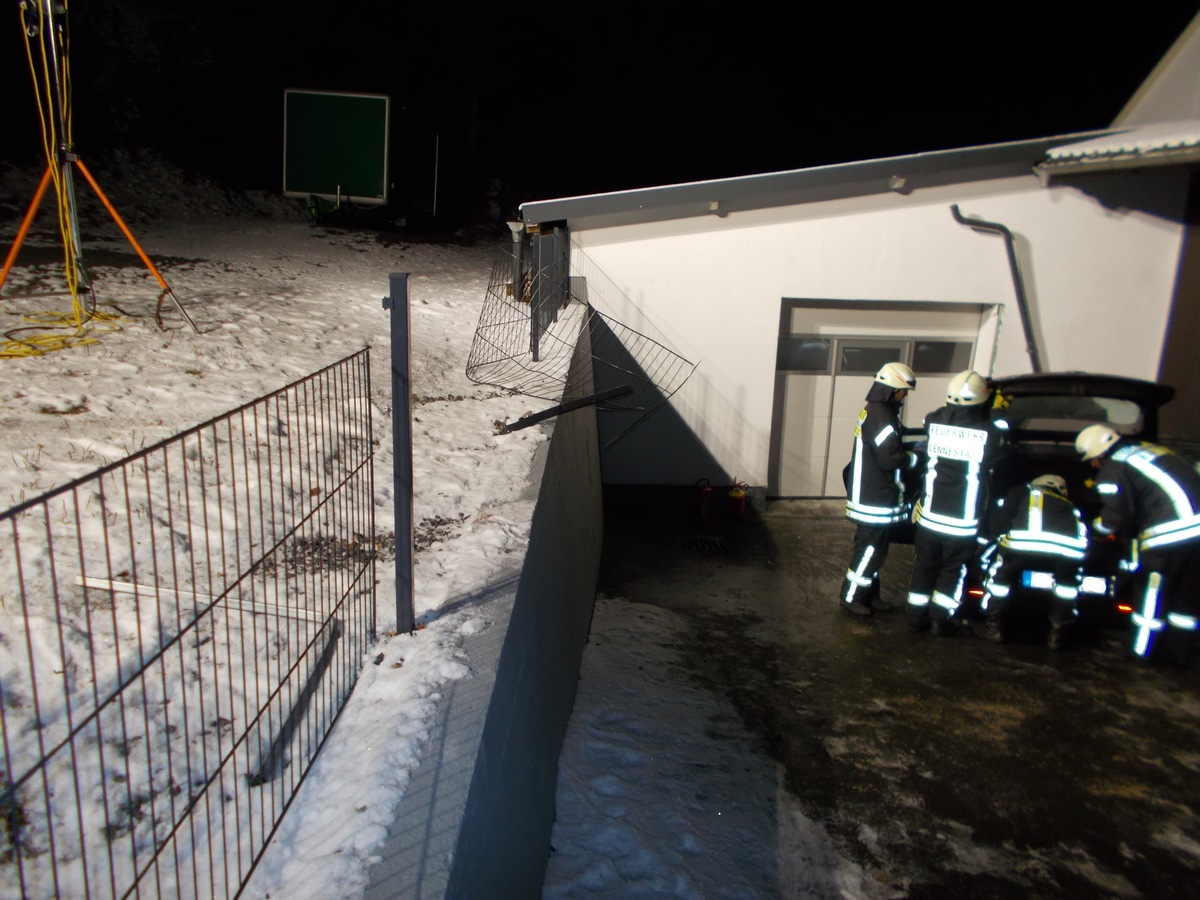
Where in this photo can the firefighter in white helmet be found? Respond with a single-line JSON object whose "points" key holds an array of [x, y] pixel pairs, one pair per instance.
{"points": [[1040, 531], [1151, 495], [874, 486], [962, 447]]}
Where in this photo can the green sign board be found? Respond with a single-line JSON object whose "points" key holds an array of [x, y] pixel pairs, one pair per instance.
{"points": [[335, 146]]}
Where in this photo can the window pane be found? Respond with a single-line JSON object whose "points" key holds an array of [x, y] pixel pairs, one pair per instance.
{"points": [[867, 359], [941, 356], [1071, 413], [803, 354]]}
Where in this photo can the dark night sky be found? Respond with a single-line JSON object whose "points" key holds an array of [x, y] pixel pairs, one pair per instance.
{"points": [[622, 96]]}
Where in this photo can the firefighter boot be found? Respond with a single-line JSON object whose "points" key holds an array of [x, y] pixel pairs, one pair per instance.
{"points": [[943, 626], [875, 598], [918, 612], [858, 607], [857, 604], [1056, 638]]}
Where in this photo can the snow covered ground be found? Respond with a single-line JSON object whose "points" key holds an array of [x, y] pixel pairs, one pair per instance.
{"points": [[663, 793], [275, 298]]}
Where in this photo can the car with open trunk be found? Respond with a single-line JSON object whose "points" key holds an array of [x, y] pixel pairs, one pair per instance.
{"points": [[1043, 413]]}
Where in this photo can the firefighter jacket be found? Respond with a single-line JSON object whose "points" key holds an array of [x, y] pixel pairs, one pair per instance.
{"points": [[874, 488], [963, 444], [1150, 494], [1041, 520]]}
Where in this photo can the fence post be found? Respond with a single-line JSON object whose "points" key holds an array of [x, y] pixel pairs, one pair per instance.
{"points": [[402, 464]]}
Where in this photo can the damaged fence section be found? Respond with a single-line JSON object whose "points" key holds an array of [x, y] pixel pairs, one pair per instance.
{"points": [[178, 632], [529, 329]]}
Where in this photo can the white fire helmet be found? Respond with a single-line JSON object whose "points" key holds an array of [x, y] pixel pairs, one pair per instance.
{"points": [[967, 388], [1096, 440], [1054, 482], [897, 375]]}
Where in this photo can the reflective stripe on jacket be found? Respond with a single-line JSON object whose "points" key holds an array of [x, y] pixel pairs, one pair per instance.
{"points": [[875, 492], [962, 444], [1149, 493], [1041, 520]]}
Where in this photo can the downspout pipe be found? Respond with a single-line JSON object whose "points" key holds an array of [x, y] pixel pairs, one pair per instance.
{"points": [[1018, 284]]}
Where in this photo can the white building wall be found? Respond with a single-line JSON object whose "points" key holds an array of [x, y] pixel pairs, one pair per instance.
{"points": [[1099, 283]]}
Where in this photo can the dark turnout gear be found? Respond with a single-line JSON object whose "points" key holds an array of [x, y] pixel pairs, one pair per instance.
{"points": [[875, 490], [860, 589], [1149, 494], [1041, 533], [962, 445], [1152, 496], [874, 494], [939, 572]]}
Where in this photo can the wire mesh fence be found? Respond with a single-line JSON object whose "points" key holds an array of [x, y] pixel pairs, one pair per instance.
{"points": [[178, 632], [525, 343]]}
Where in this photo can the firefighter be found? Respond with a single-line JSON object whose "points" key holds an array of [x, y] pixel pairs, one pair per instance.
{"points": [[1041, 531], [962, 444], [874, 486], [1151, 496]]}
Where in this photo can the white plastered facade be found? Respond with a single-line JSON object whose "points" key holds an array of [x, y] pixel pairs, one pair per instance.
{"points": [[1099, 283]]}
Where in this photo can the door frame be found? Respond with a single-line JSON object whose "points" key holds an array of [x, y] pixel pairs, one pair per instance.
{"points": [[834, 312]]}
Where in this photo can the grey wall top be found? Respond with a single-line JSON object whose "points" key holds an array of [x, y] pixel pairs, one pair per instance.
{"points": [[719, 197]]}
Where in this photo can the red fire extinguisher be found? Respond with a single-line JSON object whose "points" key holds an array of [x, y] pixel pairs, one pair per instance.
{"points": [[737, 498], [704, 492]]}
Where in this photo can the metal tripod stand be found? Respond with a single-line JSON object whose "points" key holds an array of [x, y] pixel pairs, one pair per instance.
{"points": [[45, 22]]}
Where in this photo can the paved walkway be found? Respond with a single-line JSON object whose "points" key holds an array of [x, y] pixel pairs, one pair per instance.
{"points": [[945, 767]]}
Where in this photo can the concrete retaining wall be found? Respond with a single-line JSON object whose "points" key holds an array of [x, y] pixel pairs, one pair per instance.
{"points": [[504, 840], [476, 818]]}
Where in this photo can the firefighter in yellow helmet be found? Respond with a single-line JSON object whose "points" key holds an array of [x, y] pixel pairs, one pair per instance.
{"points": [[1151, 495], [962, 445], [874, 488]]}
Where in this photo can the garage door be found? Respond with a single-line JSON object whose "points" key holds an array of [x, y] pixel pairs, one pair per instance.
{"points": [[827, 358]]}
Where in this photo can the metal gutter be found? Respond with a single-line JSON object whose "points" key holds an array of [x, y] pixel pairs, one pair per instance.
{"points": [[900, 174], [1031, 347]]}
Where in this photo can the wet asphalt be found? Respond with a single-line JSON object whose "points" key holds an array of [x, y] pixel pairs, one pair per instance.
{"points": [[946, 767]]}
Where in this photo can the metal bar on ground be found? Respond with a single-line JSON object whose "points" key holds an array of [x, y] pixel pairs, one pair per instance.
{"points": [[591, 400], [112, 211], [272, 764], [149, 590]]}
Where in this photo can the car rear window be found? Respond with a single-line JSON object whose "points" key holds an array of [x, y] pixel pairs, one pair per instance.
{"points": [[1070, 413]]}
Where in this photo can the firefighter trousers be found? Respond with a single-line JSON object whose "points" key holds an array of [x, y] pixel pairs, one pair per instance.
{"points": [[861, 584], [1166, 604], [938, 575]]}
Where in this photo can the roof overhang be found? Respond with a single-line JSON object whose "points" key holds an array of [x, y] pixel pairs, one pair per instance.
{"points": [[1144, 147], [897, 174]]}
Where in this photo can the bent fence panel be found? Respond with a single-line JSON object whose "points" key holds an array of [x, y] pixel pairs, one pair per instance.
{"points": [[503, 353], [178, 632]]}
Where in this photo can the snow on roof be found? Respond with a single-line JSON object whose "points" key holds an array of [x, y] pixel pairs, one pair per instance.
{"points": [[1165, 143]]}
